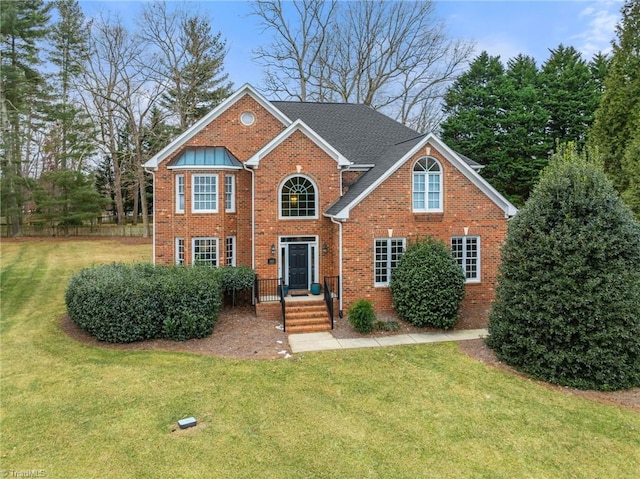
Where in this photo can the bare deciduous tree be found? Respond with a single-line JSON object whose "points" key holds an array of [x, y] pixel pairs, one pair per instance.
{"points": [[393, 56], [293, 61], [187, 59], [122, 97]]}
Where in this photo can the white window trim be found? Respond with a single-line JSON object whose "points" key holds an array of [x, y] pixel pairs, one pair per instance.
{"points": [[426, 208], [476, 279], [193, 194], [232, 209], [179, 252], [388, 241], [317, 199], [193, 248], [179, 194], [233, 251]]}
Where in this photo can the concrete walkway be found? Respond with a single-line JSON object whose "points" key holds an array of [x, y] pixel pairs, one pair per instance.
{"points": [[305, 342]]}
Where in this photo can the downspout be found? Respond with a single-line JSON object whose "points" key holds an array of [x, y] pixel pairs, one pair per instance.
{"points": [[253, 217], [339, 223], [153, 247]]}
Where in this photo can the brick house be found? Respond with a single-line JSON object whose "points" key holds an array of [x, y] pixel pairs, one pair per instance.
{"points": [[308, 191]]}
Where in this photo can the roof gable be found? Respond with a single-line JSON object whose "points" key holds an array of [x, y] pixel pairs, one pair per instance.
{"points": [[302, 127], [402, 153], [197, 127]]}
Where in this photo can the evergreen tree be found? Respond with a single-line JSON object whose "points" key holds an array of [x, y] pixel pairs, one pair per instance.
{"points": [[570, 94], [67, 198], [567, 306], [524, 140], [615, 129], [68, 40], [474, 106], [495, 116], [189, 59], [22, 25]]}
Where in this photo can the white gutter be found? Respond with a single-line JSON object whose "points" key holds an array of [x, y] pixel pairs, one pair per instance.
{"points": [[253, 217], [339, 260]]}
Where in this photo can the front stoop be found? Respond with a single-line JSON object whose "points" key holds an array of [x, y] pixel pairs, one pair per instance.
{"points": [[307, 317]]}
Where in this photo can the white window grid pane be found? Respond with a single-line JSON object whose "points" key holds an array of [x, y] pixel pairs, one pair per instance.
{"points": [[466, 251], [204, 193], [419, 189], [434, 191], [180, 193], [230, 253], [229, 193], [298, 198], [179, 250], [205, 251], [381, 261], [387, 256]]}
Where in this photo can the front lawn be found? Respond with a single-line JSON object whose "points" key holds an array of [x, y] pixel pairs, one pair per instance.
{"points": [[73, 410]]}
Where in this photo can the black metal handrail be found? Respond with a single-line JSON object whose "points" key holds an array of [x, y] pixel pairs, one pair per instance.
{"points": [[331, 291], [283, 305], [270, 290]]}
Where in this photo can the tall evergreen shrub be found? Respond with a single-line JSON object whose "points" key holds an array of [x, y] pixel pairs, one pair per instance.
{"points": [[427, 286], [567, 306]]}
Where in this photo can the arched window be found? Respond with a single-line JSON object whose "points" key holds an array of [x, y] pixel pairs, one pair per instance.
{"points": [[298, 198], [427, 185]]}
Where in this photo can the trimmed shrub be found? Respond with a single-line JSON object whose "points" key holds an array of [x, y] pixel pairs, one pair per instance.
{"points": [[121, 303], [236, 278], [567, 306], [361, 316], [427, 286]]}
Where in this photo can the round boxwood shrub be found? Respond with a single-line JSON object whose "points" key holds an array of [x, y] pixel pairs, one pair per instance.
{"points": [[124, 303], [567, 306], [427, 286], [361, 316]]}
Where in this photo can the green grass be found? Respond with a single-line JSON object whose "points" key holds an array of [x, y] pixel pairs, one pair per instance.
{"points": [[411, 411]]}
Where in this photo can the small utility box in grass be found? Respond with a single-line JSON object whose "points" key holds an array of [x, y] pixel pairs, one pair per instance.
{"points": [[187, 422]]}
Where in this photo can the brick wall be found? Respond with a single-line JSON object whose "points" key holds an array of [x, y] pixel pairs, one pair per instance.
{"points": [[242, 141], [390, 207]]}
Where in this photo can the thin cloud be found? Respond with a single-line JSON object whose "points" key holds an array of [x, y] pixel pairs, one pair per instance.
{"points": [[602, 18]]}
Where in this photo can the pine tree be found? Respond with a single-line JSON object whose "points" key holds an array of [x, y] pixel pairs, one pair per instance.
{"points": [[22, 25], [570, 94], [474, 106], [615, 130], [495, 116]]}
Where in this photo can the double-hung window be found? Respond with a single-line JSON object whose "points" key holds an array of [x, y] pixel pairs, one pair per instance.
{"points": [[179, 250], [205, 251], [230, 251], [204, 193], [466, 250], [179, 193], [230, 193], [427, 185], [386, 257]]}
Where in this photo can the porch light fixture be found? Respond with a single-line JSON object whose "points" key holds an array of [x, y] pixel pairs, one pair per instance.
{"points": [[273, 249], [324, 248]]}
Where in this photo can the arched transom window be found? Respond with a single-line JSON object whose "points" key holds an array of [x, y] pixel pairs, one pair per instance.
{"points": [[298, 198], [427, 185]]}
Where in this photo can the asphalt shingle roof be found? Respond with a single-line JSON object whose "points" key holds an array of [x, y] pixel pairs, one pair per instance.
{"points": [[361, 134]]}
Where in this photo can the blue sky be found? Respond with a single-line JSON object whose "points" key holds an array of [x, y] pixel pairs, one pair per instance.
{"points": [[504, 28]]}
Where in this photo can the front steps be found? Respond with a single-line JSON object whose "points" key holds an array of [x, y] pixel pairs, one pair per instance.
{"points": [[307, 317]]}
